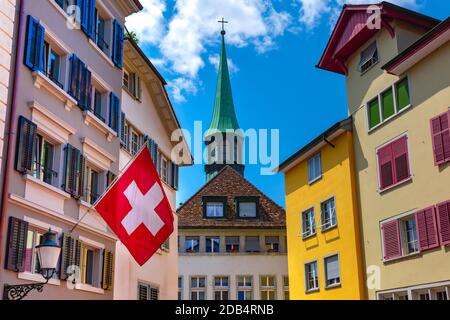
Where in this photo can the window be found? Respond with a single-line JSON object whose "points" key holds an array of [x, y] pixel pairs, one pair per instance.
{"points": [[389, 103], [43, 160], [164, 169], [91, 192], [273, 244], [80, 85], [198, 288], [132, 84], [147, 292], [212, 244], [286, 287], [441, 295], [126, 79], [91, 263], [311, 276], [369, 58], [180, 288], [393, 163], [268, 288], [134, 142], [252, 244], [332, 271], [114, 112], [314, 168], [244, 288], [52, 64], [308, 223], [247, 207], [424, 296], [98, 108], [328, 214], [192, 244], [440, 133], [221, 288], [100, 31], [31, 257], [232, 244], [214, 209], [408, 233], [34, 45]]}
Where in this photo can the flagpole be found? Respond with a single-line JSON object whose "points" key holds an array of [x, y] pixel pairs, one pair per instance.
{"points": [[129, 163]]}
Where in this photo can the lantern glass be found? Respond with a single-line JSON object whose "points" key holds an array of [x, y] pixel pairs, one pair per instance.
{"points": [[48, 252]]}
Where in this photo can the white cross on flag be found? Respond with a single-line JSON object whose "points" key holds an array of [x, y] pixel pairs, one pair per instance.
{"points": [[136, 208]]}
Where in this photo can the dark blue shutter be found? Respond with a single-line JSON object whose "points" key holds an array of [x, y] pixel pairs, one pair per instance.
{"points": [[86, 88], [118, 38], [84, 10], [34, 49], [26, 143], [74, 64], [122, 129], [114, 113], [87, 9]]}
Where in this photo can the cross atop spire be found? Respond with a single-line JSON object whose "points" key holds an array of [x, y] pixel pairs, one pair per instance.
{"points": [[223, 22]]}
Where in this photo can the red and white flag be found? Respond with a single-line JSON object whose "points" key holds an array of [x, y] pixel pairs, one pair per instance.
{"points": [[137, 209]]}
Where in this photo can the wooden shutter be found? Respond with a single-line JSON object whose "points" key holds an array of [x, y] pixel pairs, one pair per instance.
{"points": [[17, 245], [440, 132], [401, 160], [85, 88], [109, 178], [26, 144], [118, 37], [176, 177], [81, 190], [143, 292], [114, 112], [427, 229], [74, 168], [391, 240], [386, 167], [67, 253], [154, 293], [122, 129], [35, 40], [138, 88], [443, 218], [87, 23], [108, 270]]}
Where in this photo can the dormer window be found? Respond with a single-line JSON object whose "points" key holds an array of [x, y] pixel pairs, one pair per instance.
{"points": [[369, 58], [247, 207], [214, 207]]}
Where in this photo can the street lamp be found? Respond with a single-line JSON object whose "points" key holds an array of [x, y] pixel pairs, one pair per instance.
{"points": [[48, 254]]}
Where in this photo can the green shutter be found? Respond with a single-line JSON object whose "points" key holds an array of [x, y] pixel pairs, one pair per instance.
{"points": [[402, 91], [388, 104], [374, 113]]}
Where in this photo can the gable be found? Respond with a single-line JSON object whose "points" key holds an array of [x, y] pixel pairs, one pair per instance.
{"points": [[230, 184]]}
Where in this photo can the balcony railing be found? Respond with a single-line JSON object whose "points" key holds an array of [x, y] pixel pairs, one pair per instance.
{"points": [[54, 80], [43, 173], [90, 196]]}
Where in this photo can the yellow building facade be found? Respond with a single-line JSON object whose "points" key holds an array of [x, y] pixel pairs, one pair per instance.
{"points": [[324, 250]]}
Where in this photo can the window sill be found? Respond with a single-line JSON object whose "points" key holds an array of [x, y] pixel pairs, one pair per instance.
{"points": [[312, 291], [58, 192], [90, 119], [41, 80], [404, 257], [328, 228], [89, 288], [101, 53], [315, 180], [37, 278], [333, 286], [59, 9], [389, 119], [395, 185], [308, 236]]}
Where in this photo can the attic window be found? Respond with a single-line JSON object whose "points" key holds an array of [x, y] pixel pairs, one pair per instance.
{"points": [[369, 58], [247, 207], [214, 207]]}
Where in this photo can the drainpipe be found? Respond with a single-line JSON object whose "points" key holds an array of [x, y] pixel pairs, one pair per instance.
{"points": [[11, 129]]}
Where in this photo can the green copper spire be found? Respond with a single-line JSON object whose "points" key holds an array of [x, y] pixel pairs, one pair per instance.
{"points": [[224, 116]]}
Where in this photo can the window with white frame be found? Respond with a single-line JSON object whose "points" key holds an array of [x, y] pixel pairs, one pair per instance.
{"points": [[180, 288], [99, 102], [164, 169], [214, 209], [147, 292], [245, 288], [369, 58], [388, 103], [268, 288], [272, 243], [286, 287], [102, 30], [126, 79], [34, 235], [328, 214], [192, 244], [53, 64], [409, 236], [91, 189], [332, 271], [311, 276], [221, 288], [43, 160], [198, 288], [308, 223], [314, 168], [212, 244]]}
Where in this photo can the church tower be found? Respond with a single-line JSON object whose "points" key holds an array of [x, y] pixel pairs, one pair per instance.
{"points": [[224, 139]]}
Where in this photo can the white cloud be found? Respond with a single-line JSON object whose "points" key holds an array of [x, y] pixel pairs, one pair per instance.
{"points": [[179, 86], [149, 23], [214, 59], [312, 11]]}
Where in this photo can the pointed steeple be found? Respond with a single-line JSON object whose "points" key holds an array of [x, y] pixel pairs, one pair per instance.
{"points": [[224, 116]]}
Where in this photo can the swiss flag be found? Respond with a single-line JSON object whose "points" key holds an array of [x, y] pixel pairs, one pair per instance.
{"points": [[137, 209]]}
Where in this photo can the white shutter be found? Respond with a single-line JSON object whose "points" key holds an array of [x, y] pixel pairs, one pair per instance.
{"points": [[332, 267]]}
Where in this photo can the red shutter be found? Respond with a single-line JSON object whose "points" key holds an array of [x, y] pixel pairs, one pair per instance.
{"points": [[391, 240], [440, 131], [401, 160], [385, 163], [443, 218], [427, 229]]}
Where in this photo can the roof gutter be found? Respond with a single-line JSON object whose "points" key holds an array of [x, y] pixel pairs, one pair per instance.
{"points": [[11, 126]]}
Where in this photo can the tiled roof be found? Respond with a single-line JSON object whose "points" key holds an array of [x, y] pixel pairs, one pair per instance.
{"points": [[231, 184]]}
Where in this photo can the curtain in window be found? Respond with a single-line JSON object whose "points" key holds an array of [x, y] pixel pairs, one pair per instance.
{"points": [[247, 209]]}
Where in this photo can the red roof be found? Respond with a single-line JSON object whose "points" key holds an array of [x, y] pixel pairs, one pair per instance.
{"points": [[352, 31]]}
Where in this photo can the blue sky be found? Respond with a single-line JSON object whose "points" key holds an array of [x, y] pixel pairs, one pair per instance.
{"points": [[273, 47]]}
